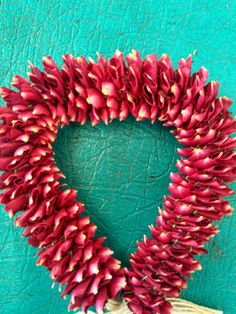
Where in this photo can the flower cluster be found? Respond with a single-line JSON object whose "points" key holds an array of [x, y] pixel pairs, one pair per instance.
{"points": [[52, 217]]}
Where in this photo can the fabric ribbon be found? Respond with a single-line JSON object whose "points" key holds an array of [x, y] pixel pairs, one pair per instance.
{"points": [[180, 306]]}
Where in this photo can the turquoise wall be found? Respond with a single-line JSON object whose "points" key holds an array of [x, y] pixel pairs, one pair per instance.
{"points": [[121, 171]]}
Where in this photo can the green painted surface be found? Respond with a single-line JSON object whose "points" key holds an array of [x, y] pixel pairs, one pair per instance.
{"points": [[121, 171]]}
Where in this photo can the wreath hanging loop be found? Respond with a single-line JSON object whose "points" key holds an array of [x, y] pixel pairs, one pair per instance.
{"points": [[51, 217]]}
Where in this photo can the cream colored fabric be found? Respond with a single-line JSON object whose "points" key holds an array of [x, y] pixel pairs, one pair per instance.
{"points": [[180, 306]]}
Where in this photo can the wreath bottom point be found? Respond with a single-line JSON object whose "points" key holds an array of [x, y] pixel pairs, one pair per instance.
{"points": [[179, 306]]}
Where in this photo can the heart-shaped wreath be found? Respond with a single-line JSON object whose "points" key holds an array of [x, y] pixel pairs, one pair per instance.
{"points": [[110, 89]]}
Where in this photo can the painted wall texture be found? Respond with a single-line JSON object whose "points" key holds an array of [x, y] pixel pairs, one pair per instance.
{"points": [[121, 171]]}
